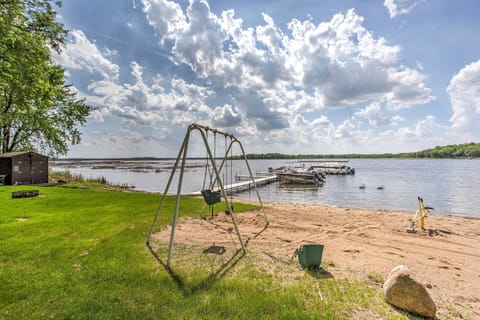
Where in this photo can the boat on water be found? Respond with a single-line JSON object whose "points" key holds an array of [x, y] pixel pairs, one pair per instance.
{"points": [[339, 167], [299, 175]]}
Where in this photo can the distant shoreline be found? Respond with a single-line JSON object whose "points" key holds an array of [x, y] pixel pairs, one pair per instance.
{"points": [[459, 151]]}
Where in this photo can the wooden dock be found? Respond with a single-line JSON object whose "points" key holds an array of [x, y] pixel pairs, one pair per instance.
{"points": [[244, 185]]}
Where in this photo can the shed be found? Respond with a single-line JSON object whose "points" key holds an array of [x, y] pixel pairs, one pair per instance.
{"points": [[23, 168]]}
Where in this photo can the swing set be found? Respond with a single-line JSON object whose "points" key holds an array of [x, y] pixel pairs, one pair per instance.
{"points": [[216, 188]]}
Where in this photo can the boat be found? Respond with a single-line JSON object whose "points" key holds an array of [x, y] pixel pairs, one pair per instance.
{"points": [[299, 175]]}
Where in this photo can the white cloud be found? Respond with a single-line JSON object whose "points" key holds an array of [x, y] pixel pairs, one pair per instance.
{"points": [[150, 104], [464, 91], [413, 92], [124, 142], [321, 135], [424, 127], [226, 117], [397, 120], [199, 43], [81, 53], [346, 64], [347, 129], [399, 7], [374, 114], [422, 134], [164, 16]]}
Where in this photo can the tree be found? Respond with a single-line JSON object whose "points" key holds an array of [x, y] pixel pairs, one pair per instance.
{"points": [[38, 110]]}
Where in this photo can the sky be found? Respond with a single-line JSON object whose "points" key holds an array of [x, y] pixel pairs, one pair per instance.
{"points": [[303, 76]]}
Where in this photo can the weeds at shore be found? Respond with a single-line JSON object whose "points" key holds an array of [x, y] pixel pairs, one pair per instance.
{"points": [[78, 180]]}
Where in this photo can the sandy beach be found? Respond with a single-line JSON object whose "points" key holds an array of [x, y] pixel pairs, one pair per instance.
{"points": [[359, 244]]}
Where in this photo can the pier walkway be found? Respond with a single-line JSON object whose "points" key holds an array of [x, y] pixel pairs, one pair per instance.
{"points": [[243, 185]]}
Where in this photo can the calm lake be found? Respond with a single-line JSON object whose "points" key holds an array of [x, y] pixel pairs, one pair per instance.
{"points": [[450, 186]]}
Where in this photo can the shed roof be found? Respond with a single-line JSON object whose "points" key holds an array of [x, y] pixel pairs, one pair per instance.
{"points": [[19, 153]]}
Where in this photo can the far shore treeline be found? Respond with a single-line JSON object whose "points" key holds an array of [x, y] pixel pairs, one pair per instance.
{"points": [[458, 151]]}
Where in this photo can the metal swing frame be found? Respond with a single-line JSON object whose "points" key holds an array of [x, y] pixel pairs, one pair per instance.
{"points": [[182, 157]]}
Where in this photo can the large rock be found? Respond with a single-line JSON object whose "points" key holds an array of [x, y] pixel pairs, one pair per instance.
{"points": [[405, 292]]}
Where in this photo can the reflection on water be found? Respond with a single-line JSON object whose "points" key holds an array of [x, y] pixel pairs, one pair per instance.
{"points": [[450, 186]]}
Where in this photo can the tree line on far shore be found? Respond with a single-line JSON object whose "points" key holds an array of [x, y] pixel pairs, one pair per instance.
{"points": [[458, 151]]}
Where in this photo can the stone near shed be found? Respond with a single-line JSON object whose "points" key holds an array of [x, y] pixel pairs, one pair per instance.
{"points": [[25, 194], [407, 293]]}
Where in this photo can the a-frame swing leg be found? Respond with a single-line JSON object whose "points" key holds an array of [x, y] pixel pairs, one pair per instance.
{"points": [[177, 199], [167, 187], [183, 150]]}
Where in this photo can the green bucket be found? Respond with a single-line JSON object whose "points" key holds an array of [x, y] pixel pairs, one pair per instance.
{"points": [[310, 255]]}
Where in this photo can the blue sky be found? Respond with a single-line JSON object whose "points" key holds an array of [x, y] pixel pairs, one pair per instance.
{"points": [[283, 76]]}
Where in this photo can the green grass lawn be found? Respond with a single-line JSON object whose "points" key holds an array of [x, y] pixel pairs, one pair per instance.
{"points": [[75, 253]]}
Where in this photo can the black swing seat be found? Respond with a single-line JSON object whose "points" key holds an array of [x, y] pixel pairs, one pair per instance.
{"points": [[211, 197]]}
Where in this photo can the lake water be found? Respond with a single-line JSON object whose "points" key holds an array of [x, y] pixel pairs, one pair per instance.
{"points": [[450, 186]]}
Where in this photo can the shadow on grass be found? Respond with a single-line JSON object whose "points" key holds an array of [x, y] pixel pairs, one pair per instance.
{"points": [[278, 259], [319, 273], [189, 288]]}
